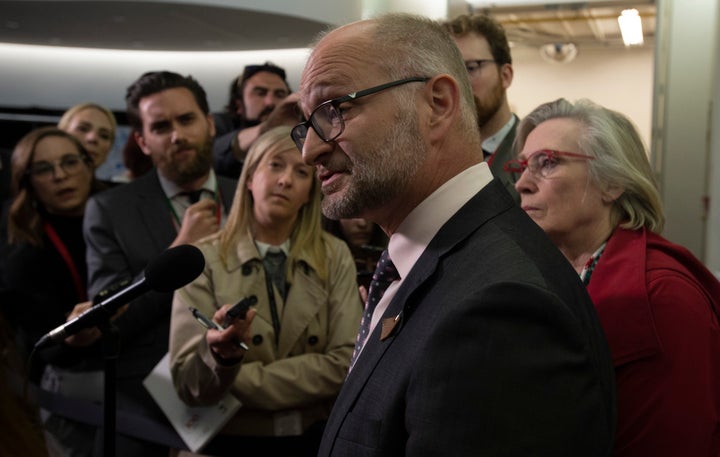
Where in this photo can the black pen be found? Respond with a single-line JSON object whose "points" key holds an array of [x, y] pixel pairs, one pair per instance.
{"points": [[210, 324]]}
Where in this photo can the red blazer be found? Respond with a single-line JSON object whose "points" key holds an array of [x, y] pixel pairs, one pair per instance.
{"points": [[659, 307]]}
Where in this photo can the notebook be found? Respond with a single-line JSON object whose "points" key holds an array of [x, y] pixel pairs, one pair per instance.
{"points": [[196, 425]]}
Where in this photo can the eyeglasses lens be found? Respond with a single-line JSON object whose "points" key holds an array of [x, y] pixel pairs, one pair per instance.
{"points": [[327, 122], [298, 134], [70, 165]]}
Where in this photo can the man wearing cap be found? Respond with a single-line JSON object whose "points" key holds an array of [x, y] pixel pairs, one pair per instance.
{"points": [[259, 100]]}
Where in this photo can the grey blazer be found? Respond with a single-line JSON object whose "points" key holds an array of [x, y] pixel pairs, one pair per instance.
{"points": [[496, 351], [125, 228]]}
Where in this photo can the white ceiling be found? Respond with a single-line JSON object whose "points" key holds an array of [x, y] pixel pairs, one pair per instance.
{"points": [[236, 25], [151, 25], [586, 23]]}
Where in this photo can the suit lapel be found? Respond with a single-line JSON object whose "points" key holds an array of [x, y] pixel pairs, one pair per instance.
{"points": [[492, 200], [154, 211]]}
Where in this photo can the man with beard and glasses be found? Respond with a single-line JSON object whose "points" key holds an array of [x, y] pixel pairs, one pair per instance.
{"points": [[485, 49], [179, 202], [260, 99], [485, 341]]}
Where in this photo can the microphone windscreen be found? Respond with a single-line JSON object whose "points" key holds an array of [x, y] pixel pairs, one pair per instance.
{"points": [[174, 268]]}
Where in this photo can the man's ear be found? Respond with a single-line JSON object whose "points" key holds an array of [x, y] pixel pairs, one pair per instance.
{"points": [[506, 75], [239, 107], [211, 125], [140, 140], [443, 95]]}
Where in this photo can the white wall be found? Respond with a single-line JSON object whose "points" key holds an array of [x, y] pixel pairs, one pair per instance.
{"points": [[713, 231], [620, 79], [54, 77], [688, 57]]}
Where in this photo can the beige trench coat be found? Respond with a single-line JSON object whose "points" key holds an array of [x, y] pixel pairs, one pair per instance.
{"points": [[304, 372]]}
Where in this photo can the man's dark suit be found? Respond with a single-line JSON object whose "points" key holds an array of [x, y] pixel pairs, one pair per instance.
{"points": [[497, 351], [125, 228]]}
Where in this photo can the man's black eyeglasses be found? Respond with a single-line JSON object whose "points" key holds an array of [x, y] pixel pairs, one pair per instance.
{"points": [[327, 119]]}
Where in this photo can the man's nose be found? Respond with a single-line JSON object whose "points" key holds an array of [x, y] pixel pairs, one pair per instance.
{"points": [[272, 99], [178, 134], [314, 148]]}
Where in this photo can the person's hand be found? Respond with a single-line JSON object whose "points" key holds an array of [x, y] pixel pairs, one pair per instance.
{"points": [[287, 112], [228, 344], [363, 294], [86, 336], [199, 221]]}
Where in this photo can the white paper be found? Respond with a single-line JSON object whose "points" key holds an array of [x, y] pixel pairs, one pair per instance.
{"points": [[196, 425]]}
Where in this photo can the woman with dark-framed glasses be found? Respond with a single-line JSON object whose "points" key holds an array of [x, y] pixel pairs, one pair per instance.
{"points": [[586, 180], [44, 273]]}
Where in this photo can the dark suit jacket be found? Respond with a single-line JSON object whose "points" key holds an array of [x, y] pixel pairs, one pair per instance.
{"points": [[497, 352], [125, 228], [504, 153], [226, 129]]}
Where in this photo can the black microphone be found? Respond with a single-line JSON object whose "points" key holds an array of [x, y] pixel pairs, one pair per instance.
{"points": [[169, 271]]}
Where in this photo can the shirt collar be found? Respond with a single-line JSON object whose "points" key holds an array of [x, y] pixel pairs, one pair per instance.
{"points": [[264, 247], [172, 190], [422, 224]]}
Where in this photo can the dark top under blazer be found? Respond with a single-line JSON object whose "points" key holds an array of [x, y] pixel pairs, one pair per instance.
{"points": [[498, 352]]}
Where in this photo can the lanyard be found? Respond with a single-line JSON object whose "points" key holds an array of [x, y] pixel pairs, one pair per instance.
{"points": [[218, 213], [67, 258]]}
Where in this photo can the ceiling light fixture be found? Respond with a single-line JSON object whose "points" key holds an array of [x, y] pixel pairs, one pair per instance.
{"points": [[631, 27]]}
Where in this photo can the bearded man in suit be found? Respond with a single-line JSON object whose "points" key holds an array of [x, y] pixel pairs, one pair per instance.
{"points": [[179, 202], [486, 52]]}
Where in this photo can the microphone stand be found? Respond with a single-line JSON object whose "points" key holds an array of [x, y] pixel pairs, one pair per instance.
{"points": [[111, 348]]}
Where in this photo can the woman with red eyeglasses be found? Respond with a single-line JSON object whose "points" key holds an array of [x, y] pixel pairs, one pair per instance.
{"points": [[585, 178]]}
